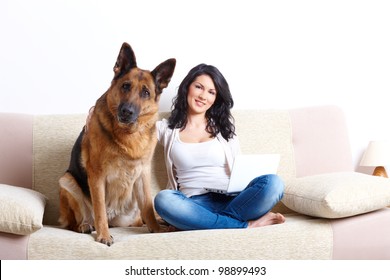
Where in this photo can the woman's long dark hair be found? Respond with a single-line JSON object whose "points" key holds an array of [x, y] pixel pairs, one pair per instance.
{"points": [[219, 117]]}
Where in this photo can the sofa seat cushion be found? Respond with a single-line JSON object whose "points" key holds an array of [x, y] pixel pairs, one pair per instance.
{"points": [[299, 237], [337, 195], [21, 210]]}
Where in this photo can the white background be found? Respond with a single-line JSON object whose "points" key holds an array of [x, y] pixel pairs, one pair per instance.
{"points": [[56, 56]]}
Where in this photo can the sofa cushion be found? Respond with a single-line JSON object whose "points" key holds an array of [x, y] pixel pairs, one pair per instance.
{"points": [[53, 139], [337, 195], [21, 210]]}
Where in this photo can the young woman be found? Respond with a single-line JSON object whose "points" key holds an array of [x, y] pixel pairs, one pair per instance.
{"points": [[199, 146]]}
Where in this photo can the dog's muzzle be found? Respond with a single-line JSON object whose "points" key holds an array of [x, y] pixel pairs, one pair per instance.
{"points": [[128, 113]]}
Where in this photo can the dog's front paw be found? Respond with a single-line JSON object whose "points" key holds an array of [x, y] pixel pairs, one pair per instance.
{"points": [[161, 222], [167, 228], [161, 228], [86, 228], [107, 241]]}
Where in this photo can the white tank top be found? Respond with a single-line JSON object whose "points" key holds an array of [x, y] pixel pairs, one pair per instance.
{"points": [[199, 165]]}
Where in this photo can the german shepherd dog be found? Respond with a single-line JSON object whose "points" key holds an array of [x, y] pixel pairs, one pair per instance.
{"points": [[108, 179]]}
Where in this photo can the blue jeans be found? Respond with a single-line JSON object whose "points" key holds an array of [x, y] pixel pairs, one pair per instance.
{"points": [[218, 211]]}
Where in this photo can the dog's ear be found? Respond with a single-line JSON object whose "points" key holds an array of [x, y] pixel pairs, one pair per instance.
{"points": [[125, 61], [163, 73]]}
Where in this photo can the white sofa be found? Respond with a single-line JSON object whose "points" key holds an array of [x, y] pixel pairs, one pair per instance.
{"points": [[333, 212]]}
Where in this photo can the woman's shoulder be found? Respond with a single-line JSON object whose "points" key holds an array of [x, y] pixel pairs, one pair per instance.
{"points": [[233, 139], [233, 143], [163, 131], [162, 124]]}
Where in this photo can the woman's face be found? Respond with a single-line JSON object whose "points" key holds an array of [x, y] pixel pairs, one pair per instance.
{"points": [[201, 94]]}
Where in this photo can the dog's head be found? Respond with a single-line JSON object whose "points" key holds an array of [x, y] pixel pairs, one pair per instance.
{"points": [[135, 93]]}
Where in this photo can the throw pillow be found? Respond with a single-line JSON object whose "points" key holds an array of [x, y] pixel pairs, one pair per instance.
{"points": [[21, 210], [337, 195]]}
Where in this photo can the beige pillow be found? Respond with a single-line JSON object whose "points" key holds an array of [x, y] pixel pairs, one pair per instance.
{"points": [[337, 195], [21, 210]]}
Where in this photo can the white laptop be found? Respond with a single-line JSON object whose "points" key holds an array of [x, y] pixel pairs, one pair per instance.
{"points": [[248, 167]]}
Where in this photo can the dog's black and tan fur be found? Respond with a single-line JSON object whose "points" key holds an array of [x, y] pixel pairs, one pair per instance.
{"points": [[108, 180]]}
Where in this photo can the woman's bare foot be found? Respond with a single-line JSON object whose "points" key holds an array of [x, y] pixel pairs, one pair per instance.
{"points": [[268, 219]]}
